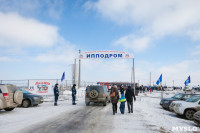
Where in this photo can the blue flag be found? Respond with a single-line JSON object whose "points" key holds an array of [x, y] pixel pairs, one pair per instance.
{"points": [[159, 80], [187, 81], [63, 77]]}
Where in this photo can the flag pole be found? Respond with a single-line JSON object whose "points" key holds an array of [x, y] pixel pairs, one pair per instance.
{"points": [[161, 89]]}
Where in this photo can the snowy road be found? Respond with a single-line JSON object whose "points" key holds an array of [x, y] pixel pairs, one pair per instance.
{"points": [[91, 119], [147, 116], [84, 120]]}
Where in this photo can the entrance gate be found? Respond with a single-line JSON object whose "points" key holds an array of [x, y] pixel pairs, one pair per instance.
{"points": [[107, 54]]}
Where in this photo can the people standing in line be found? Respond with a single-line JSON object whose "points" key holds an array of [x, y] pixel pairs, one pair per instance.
{"points": [[56, 94], [114, 97], [121, 89], [140, 89], [143, 89], [129, 98], [122, 104], [73, 94]]}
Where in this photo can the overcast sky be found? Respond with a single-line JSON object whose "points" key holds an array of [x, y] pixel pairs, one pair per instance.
{"points": [[39, 39]]}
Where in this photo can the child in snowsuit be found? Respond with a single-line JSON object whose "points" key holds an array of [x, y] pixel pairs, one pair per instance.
{"points": [[122, 105]]}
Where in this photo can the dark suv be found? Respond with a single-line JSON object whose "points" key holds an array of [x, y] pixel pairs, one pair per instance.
{"points": [[97, 94]]}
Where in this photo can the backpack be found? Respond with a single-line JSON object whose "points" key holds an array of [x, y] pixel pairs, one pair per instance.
{"points": [[112, 94]]}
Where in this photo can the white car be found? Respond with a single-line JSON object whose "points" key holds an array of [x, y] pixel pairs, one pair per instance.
{"points": [[188, 107], [170, 89], [187, 88]]}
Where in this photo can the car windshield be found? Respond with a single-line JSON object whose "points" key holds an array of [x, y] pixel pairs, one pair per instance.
{"points": [[24, 91], [177, 96], [193, 99]]}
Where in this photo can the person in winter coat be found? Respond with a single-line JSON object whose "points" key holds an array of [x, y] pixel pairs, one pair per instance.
{"points": [[56, 94], [121, 89], [73, 94], [122, 105], [129, 98], [114, 96]]}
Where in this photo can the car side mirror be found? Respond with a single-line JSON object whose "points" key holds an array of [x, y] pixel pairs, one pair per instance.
{"points": [[199, 102]]}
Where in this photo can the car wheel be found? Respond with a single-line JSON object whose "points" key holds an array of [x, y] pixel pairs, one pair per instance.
{"points": [[189, 114], [8, 109], [105, 103], [26, 103]]}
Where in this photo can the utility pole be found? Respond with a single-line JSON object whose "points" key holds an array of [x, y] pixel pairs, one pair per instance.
{"points": [[74, 72], [133, 76], [173, 83], [79, 74]]}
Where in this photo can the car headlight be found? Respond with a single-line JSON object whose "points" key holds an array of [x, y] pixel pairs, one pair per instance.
{"points": [[35, 98], [178, 105]]}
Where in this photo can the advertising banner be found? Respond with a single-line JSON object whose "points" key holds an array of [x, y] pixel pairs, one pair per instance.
{"points": [[107, 54], [42, 87]]}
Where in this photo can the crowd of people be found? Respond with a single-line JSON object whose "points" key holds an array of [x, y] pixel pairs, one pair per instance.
{"points": [[128, 97]]}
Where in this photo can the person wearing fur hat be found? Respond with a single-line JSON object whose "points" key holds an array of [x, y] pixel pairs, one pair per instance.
{"points": [[56, 94], [73, 94]]}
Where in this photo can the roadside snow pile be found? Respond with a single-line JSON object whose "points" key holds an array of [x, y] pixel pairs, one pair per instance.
{"points": [[67, 92]]}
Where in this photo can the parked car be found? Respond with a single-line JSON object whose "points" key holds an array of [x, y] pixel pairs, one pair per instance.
{"points": [[97, 94], [166, 102], [169, 89], [188, 107], [30, 99], [10, 97], [196, 118], [187, 88]]}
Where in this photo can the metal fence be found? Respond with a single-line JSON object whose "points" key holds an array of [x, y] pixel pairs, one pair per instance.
{"points": [[64, 85]]}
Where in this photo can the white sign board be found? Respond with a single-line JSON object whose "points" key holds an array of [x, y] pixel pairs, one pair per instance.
{"points": [[42, 87], [107, 54]]}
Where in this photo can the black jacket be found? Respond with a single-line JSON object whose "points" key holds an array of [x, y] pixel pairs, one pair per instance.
{"points": [[56, 91], [121, 90], [130, 95], [73, 91]]}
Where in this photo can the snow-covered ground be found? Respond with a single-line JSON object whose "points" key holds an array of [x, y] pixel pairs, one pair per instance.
{"points": [[148, 116]]}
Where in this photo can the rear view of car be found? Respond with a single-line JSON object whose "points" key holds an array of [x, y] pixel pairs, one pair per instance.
{"points": [[10, 97], [97, 94]]}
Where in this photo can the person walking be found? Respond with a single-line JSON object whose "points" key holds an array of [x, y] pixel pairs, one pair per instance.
{"points": [[122, 104], [56, 94], [114, 96], [129, 98], [121, 89], [73, 94]]}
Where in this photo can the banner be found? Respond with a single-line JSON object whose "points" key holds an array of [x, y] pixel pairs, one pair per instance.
{"points": [[42, 87], [109, 54]]}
